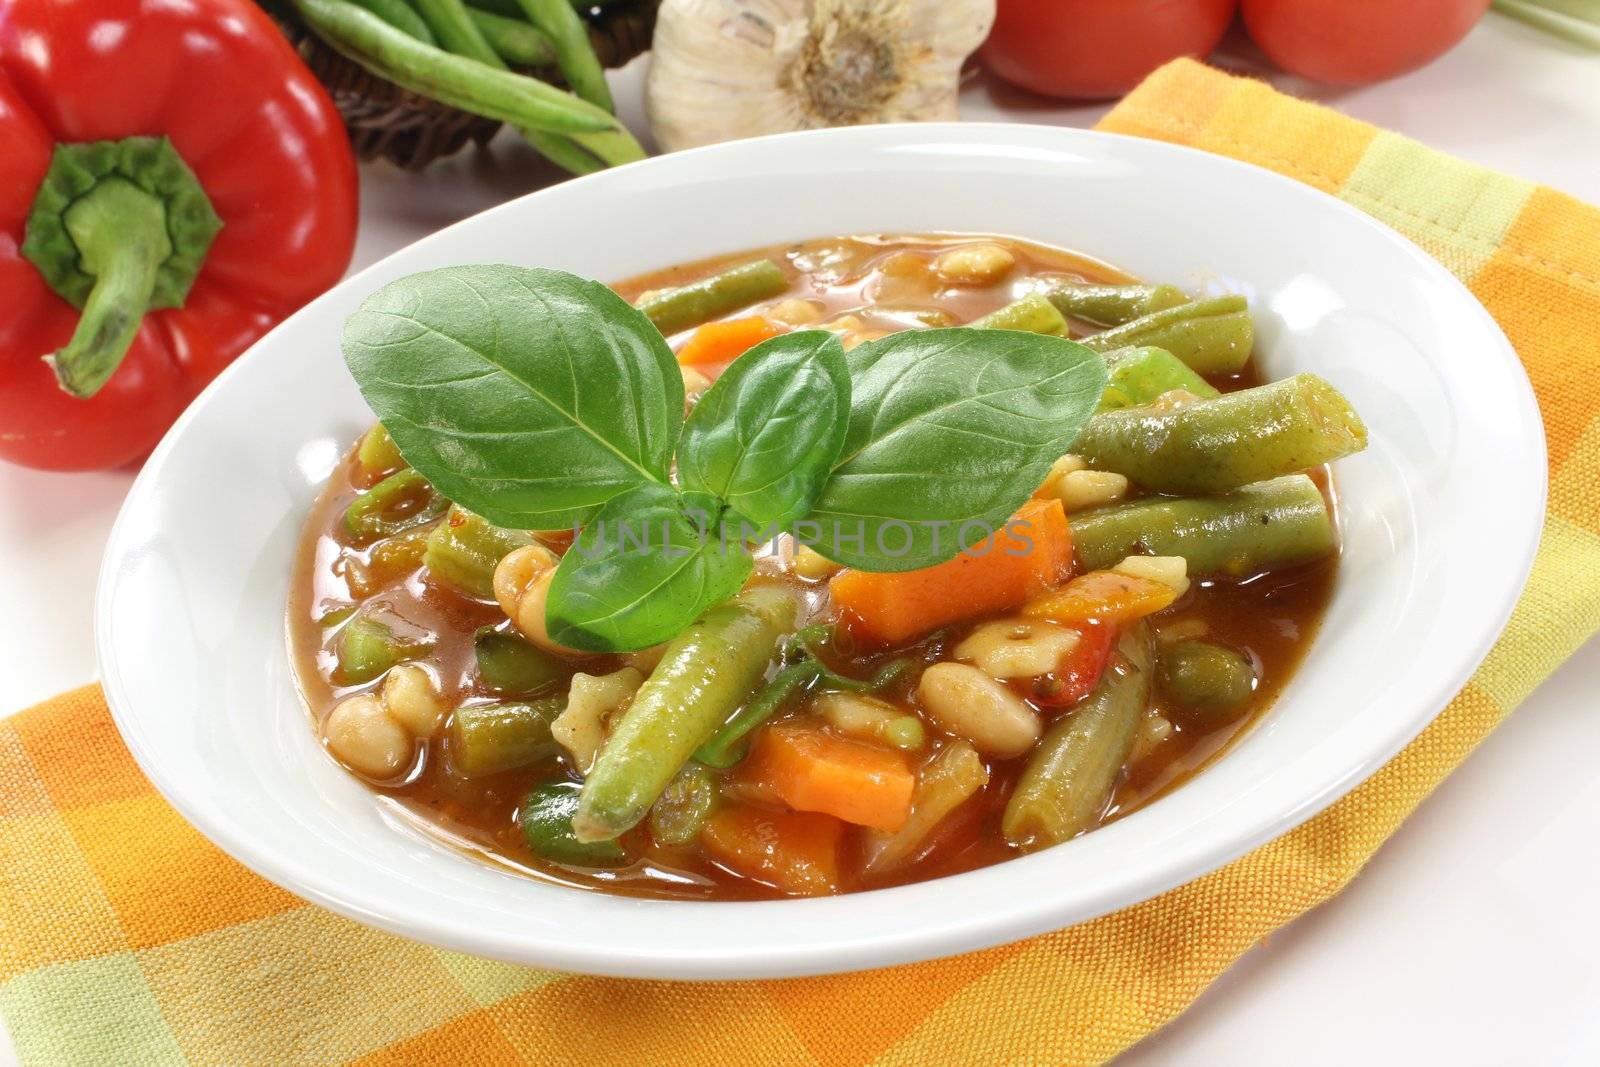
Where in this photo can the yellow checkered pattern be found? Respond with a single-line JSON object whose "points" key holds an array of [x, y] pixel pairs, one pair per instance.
{"points": [[126, 939]]}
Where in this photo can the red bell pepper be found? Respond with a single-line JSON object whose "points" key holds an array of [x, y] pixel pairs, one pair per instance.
{"points": [[1080, 669], [174, 181]]}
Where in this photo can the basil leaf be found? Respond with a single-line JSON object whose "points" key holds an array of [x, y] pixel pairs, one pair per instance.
{"points": [[529, 396], [647, 566], [950, 432], [765, 435]]}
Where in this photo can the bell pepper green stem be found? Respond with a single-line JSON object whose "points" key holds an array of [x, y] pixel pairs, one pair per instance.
{"points": [[121, 234], [117, 229]]}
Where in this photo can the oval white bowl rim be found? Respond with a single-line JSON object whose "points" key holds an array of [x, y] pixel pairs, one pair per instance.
{"points": [[855, 952]]}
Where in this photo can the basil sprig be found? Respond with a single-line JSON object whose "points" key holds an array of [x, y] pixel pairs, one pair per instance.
{"points": [[539, 400]]}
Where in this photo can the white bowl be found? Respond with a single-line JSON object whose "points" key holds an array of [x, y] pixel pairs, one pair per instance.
{"points": [[1441, 518]]}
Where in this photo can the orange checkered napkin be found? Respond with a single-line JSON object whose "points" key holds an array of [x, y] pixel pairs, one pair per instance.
{"points": [[126, 939]]}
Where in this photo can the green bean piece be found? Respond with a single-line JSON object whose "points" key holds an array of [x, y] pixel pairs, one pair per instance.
{"points": [[368, 647], [1212, 446], [464, 549], [403, 501], [456, 32], [546, 820], [335, 616], [489, 738], [705, 672], [377, 453], [401, 16], [513, 40], [676, 818], [1068, 780], [512, 666], [678, 309], [726, 746], [1031, 314], [1138, 376], [527, 103], [574, 54], [1210, 681], [1113, 305], [1254, 529], [1212, 336]]}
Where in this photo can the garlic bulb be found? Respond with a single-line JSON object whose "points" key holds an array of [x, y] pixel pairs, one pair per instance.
{"points": [[724, 69]]}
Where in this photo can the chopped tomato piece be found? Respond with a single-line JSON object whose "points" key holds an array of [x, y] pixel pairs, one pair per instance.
{"points": [[1080, 669], [815, 771], [724, 342], [796, 851]]}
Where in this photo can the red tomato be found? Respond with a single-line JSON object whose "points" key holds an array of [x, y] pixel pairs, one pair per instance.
{"points": [[1098, 48], [1079, 670], [1353, 42]]}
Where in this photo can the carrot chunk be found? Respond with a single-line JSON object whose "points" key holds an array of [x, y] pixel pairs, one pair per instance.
{"points": [[1104, 595], [814, 771], [796, 851], [1032, 553], [724, 342]]}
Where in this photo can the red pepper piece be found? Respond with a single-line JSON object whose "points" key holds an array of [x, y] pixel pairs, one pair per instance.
{"points": [[1080, 668], [159, 117]]}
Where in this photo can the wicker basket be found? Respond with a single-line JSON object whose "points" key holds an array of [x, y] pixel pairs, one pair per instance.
{"points": [[410, 130]]}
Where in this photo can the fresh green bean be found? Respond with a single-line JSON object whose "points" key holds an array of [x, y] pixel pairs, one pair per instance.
{"points": [[515, 41], [690, 305], [1031, 314], [704, 673], [513, 9], [526, 103], [403, 501], [489, 738], [1068, 780], [367, 648], [464, 549], [1215, 445], [1245, 532], [546, 820], [676, 818], [1113, 305], [564, 152], [727, 747], [574, 54], [1209, 680], [377, 451], [1138, 376], [401, 16], [513, 667], [457, 32], [1212, 336]]}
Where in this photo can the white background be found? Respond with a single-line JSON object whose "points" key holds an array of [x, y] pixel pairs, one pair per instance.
{"points": [[1473, 937]]}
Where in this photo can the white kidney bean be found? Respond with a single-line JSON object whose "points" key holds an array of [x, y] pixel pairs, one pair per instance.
{"points": [[970, 704]]}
